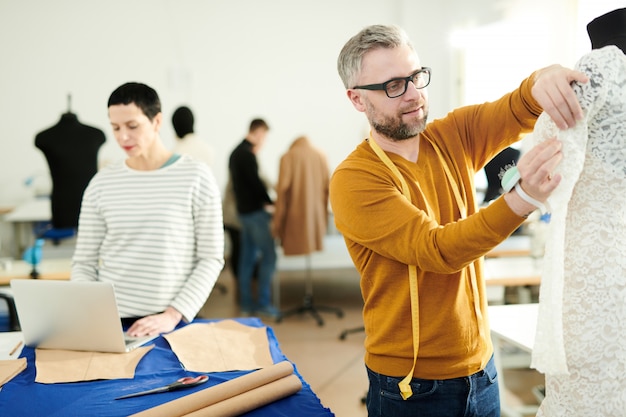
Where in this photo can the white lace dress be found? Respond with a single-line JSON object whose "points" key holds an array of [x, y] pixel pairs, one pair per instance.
{"points": [[581, 329]]}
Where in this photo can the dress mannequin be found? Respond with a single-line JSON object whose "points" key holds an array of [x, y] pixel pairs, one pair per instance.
{"points": [[301, 214], [581, 329], [71, 149]]}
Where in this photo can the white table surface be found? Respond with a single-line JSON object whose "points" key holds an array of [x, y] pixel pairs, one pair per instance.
{"points": [[516, 245], [35, 210], [22, 217], [48, 269], [8, 341], [513, 270], [515, 323], [334, 255]]}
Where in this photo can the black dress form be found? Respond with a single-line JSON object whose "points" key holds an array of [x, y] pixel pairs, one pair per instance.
{"points": [[71, 149], [507, 157]]}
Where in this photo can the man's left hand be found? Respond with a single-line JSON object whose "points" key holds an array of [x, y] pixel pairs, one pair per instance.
{"points": [[553, 91]]}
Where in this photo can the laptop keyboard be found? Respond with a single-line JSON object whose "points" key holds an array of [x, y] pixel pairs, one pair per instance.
{"points": [[130, 339]]}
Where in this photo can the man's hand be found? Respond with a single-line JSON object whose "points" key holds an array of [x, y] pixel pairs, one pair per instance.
{"points": [[553, 91], [535, 168], [156, 324]]}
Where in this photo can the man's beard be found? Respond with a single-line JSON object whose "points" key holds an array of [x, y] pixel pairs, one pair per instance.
{"points": [[394, 128]]}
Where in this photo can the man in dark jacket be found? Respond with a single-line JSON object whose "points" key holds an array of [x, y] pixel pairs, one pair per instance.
{"points": [[254, 207]]}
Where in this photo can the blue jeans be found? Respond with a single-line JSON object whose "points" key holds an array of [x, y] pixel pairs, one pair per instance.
{"points": [[472, 396], [256, 239]]}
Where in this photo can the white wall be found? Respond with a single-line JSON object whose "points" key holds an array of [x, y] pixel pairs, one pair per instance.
{"points": [[229, 60]]}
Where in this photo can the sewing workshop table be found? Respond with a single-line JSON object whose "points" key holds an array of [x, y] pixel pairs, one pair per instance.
{"points": [[521, 272], [22, 218], [513, 271], [22, 396], [514, 324], [516, 245], [59, 269]]}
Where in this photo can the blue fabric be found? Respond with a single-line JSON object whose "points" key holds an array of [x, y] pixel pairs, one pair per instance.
{"points": [[24, 397], [256, 239], [474, 396]]}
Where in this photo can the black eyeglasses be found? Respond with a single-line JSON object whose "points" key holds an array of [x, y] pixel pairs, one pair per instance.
{"points": [[397, 86]]}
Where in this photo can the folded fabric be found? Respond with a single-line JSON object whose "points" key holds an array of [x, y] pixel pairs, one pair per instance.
{"points": [[220, 347], [55, 366], [11, 368]]}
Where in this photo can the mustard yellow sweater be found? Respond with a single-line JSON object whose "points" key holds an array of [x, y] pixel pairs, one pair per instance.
{"points": [[385, 233]]}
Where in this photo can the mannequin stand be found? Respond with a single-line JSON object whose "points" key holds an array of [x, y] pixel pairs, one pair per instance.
{"points": [[346, 332], [307, 304]]}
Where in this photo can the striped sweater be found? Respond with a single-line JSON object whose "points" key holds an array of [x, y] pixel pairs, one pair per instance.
{"points": [[156, 235]]}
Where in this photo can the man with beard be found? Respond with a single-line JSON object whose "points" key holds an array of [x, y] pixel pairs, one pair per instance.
{"points": [[405, 204]]}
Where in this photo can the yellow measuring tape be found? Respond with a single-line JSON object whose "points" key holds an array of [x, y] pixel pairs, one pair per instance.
{"points": [[405, 384]]}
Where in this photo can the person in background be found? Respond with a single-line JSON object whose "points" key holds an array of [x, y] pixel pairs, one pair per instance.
{"points": [[150, 224], [405, 203], [187, 143], [232, 226], [580, 343], [254, 207]]}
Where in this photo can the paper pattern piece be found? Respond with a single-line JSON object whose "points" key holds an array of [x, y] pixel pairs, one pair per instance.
{"points": [[259, 388], [55, 365], [220, 347], [9, 369]]}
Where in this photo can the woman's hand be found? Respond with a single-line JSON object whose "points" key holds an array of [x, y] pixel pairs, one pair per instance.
{"points": [[156, 323]]}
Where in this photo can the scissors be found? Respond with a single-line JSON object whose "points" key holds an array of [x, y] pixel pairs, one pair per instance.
{"points": [[186, 382]]}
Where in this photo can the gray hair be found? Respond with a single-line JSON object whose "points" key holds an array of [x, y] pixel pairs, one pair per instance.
{"points": [[368, 39]]}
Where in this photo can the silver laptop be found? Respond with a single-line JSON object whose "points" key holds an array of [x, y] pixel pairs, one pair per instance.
{"points": [[71, 315]]}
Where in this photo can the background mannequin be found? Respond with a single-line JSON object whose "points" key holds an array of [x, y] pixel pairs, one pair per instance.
{"points": [[301, 215], [507, 157], [71, 149]]}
